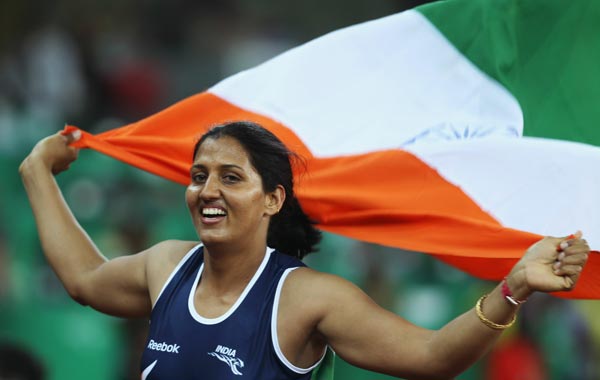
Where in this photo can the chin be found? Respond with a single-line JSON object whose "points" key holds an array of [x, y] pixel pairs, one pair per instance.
{"points": [[207, 238]]}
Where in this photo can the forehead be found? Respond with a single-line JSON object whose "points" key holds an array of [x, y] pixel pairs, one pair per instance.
{"points": [[224, 150]]}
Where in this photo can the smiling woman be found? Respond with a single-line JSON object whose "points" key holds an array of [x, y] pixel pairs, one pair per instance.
{"points": [[290, 230], [225, 196], [240, 303]]}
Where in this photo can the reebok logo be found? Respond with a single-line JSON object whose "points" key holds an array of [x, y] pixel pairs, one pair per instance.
{"points": [[227, 356], [163, 347]]}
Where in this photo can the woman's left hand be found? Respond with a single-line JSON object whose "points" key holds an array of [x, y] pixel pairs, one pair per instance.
{"points": [[550, 265]]}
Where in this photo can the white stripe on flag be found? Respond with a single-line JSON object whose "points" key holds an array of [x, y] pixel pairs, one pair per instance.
{"points": [[377, 85], [524, 183]]}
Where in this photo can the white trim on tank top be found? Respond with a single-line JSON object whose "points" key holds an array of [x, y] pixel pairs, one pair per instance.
{"points": [[214, 321], [179, 265], [275, 339]]}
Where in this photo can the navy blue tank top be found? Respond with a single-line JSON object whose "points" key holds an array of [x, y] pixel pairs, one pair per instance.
{"points": [[240, 344]]}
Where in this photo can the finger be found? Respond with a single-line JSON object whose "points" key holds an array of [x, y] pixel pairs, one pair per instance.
{"points": [[564, 260], [565, 242], [568, 283], [569, 270], [72, 136], [579, 243], [73, 154], [579, 259], [565, 283], [576, 248], [573, 251]]}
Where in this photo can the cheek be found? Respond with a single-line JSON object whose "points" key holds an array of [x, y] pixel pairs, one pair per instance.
{"points": [[190, 195], [256, 203]]}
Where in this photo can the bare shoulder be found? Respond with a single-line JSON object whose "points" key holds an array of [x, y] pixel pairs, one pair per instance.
{"points": [[169, 252], [309, 289], [162, 259], [307, 281]]}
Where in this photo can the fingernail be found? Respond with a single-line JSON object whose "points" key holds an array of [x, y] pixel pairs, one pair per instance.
{"points": [[76, 134], [556, 265], [564, 245], [561, 256]]}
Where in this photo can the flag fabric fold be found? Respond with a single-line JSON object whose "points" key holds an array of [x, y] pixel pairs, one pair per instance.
{"points": [[464, 129]]}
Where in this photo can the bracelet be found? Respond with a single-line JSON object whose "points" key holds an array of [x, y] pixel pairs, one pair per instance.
{"points": [[507, 293], [487, 322]]}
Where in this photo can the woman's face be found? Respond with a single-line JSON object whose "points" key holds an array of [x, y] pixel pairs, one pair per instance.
{"points": [[226, 198]]}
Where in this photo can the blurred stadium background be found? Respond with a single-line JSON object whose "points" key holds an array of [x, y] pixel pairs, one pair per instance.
{"points": [[102, 64]]}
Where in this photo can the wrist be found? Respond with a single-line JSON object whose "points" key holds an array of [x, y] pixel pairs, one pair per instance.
{"points": [[516, 286], [32, 165], [34, 173]]}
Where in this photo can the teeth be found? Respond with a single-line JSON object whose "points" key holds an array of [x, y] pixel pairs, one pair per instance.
{"points": [[213, 212]]}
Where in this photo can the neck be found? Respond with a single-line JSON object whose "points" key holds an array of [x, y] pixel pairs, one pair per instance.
{"points": [[228, 269]]}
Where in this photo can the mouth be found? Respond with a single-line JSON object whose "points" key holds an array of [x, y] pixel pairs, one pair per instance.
{"points": [[211, 215]]}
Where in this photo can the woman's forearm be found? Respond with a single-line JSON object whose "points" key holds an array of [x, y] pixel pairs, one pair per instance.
{"points": [[550, 265], [467, 338], [66, 246]]}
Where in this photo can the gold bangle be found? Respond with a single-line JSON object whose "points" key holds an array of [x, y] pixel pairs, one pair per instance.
{"points": [[487, 322]]}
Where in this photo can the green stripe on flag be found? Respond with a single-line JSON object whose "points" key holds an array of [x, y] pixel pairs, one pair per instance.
{"points": [[545, 52]]}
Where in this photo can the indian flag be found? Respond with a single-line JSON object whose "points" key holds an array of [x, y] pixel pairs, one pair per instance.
{"points": [[465, 129]]}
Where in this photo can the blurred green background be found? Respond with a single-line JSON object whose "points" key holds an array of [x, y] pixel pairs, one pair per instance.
{"points": [[102, 64]]}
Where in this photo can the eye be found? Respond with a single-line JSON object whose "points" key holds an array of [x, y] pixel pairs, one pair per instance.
{"points": [[198, 177], [231, 178]]}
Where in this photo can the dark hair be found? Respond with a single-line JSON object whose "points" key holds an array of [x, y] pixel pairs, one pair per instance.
{"points": [[290, 231]]}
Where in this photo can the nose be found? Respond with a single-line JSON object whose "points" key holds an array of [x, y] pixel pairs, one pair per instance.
{"points": [[210, 189]]}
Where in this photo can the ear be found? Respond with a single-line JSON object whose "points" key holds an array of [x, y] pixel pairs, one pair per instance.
{"points": [[274, 201]]}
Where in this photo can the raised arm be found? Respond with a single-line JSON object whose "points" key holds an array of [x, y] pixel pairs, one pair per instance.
{"points": [[117, 287], [370, 337]]}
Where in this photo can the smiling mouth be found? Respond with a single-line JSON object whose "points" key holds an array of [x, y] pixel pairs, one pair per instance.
{"points": [[213, 213]]}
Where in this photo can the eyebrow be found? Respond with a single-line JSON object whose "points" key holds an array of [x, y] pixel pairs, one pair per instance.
{"points": [[224, 166]]}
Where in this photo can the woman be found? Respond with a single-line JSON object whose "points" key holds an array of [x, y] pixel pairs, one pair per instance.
{"points": [[231, 307]]}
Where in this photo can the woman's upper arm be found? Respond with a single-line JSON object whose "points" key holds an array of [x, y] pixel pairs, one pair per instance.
{"points": [[122, 286], [368, 336]]}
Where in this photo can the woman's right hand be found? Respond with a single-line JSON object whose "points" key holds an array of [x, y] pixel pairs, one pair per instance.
{"points": [[53, 152]]}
